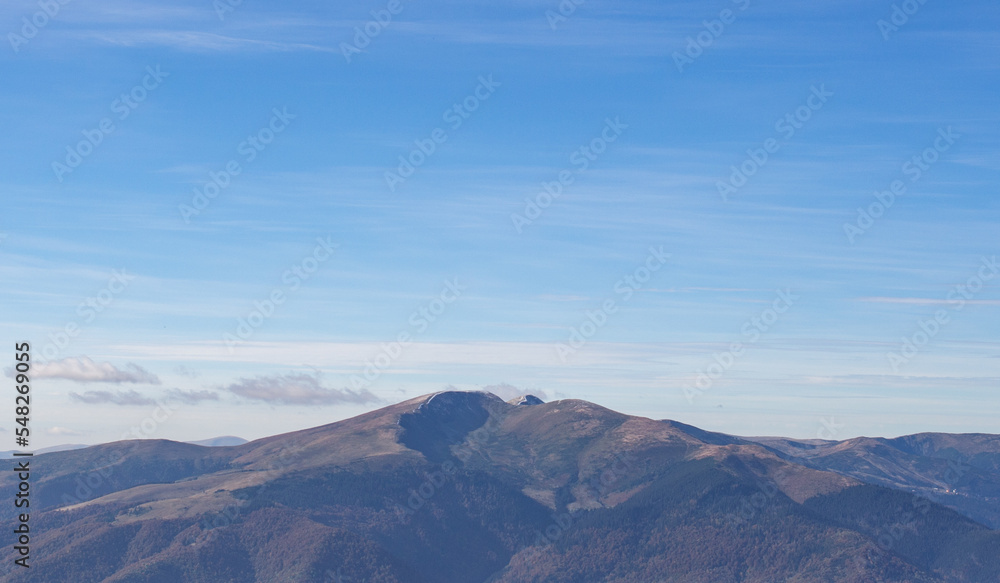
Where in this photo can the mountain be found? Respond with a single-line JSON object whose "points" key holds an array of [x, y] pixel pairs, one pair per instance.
{"points": [[213, 442], [63, 447], [223, 441], [463, 487], [961, 472]]}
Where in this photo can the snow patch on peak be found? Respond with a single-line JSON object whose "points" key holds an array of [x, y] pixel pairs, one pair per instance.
{"points": [[525, 400]]}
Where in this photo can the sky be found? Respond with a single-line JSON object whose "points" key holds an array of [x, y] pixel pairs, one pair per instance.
{"points": [[247, 218]]}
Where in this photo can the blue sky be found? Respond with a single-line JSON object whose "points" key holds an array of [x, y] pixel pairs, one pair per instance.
{"points": [[836, 102]]}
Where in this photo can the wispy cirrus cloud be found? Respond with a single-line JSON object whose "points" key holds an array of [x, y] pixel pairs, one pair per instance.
{"points": [[296, 389], [929, 301], [191, 397], [135, 398], [192, 40], [676, 290], [85, 370], [124, 398], [563, 298]]}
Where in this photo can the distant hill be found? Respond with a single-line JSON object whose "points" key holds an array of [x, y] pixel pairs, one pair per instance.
{"points": [[462, 487], [65, 447], [224, 441], [961, 472]]}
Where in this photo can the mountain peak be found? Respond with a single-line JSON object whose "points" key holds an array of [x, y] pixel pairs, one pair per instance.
{"points": [[525, 400], [445, 418], [456, 398]]}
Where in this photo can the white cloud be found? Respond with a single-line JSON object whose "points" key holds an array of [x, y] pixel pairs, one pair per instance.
{"points": [[85, 370], [507, 392], [125, 398], [296, 389], [929, 301], [62, 431], [191, 397], [193, 40], [135, 398], [185, 371]]}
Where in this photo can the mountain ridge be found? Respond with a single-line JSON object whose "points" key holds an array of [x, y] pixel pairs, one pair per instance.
{"points": [[463, 486]]}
